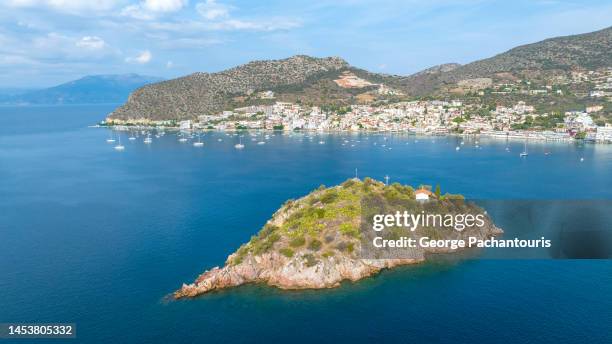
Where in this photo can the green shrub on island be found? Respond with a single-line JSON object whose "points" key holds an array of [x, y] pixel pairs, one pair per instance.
{"points": [[264, 245], [320, 212], [310, 260], [347, 184], [297, 242], [329, 196], [328, 254], [287, 252], [399, 192], [315, 245], [350, 247], [349, 229]]}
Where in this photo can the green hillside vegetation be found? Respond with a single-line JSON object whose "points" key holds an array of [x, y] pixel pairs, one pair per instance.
{"points": [[309, 81], [327, 221]]}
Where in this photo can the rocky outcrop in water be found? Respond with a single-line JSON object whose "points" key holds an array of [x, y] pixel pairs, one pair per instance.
{"points": [[318, 241]]}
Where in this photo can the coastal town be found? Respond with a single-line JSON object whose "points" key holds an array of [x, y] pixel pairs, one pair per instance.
{"points": [[475, 110]]}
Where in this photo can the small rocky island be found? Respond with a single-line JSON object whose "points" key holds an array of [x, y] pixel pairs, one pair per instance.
{"points": [[319, 240]]}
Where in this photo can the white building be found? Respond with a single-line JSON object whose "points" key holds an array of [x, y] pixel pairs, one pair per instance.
{"points": [[422, 194], [580, 120], [604, 134], [185, 125], [266, 95], [594, 108]]}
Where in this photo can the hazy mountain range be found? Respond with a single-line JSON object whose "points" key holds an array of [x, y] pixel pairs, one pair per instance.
{"points": [[93, 89]]}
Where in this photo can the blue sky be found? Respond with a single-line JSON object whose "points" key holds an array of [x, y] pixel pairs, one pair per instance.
{"points": [[46, 42]]}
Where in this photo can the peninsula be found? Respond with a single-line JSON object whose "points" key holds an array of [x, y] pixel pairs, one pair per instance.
{"points": [[324, 238]]}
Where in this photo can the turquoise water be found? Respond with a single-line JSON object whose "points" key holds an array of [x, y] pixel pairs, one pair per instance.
{"points": [[98, 237]]}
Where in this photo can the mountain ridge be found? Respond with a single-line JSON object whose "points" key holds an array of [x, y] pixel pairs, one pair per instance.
{"points": [[209, 92], [582, 51], [315, 81], [90, 89]]}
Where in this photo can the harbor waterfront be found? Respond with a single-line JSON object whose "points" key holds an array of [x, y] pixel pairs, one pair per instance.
{"points": [[99, 236], [515, 135]]}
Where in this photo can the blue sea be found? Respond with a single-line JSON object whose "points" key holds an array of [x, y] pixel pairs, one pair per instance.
{"points": [[99, 237]]}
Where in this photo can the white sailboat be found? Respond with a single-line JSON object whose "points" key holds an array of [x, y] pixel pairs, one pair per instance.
{"points": [[110, 139], [239, 145], [119, 147], [524, 152], [198, 143], [148, 139]]}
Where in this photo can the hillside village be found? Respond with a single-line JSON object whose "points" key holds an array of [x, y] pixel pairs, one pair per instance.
{"points": [[482, 106], [559, 88]]}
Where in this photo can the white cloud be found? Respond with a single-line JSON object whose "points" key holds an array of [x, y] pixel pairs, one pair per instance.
{"points": [[217, 17], [164, 5], [60, 46], [169, 64], [137, 12], [189, 43], [150, 9], [16, 60], [54, 48], [142, 58], [212, 10], [91, 42], [197, 26], [262, 25], [70, 6]]}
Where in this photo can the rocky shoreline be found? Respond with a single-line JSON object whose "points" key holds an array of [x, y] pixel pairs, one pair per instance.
{"points": [[314, 242], [278, 271]]}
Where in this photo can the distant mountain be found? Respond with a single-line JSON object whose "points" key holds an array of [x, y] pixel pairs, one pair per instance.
{"points": [[442, 68], [7, 94], [332, 81], [10, 91], [560, 54], [589, 51], [87, 90], [205, 93]]}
